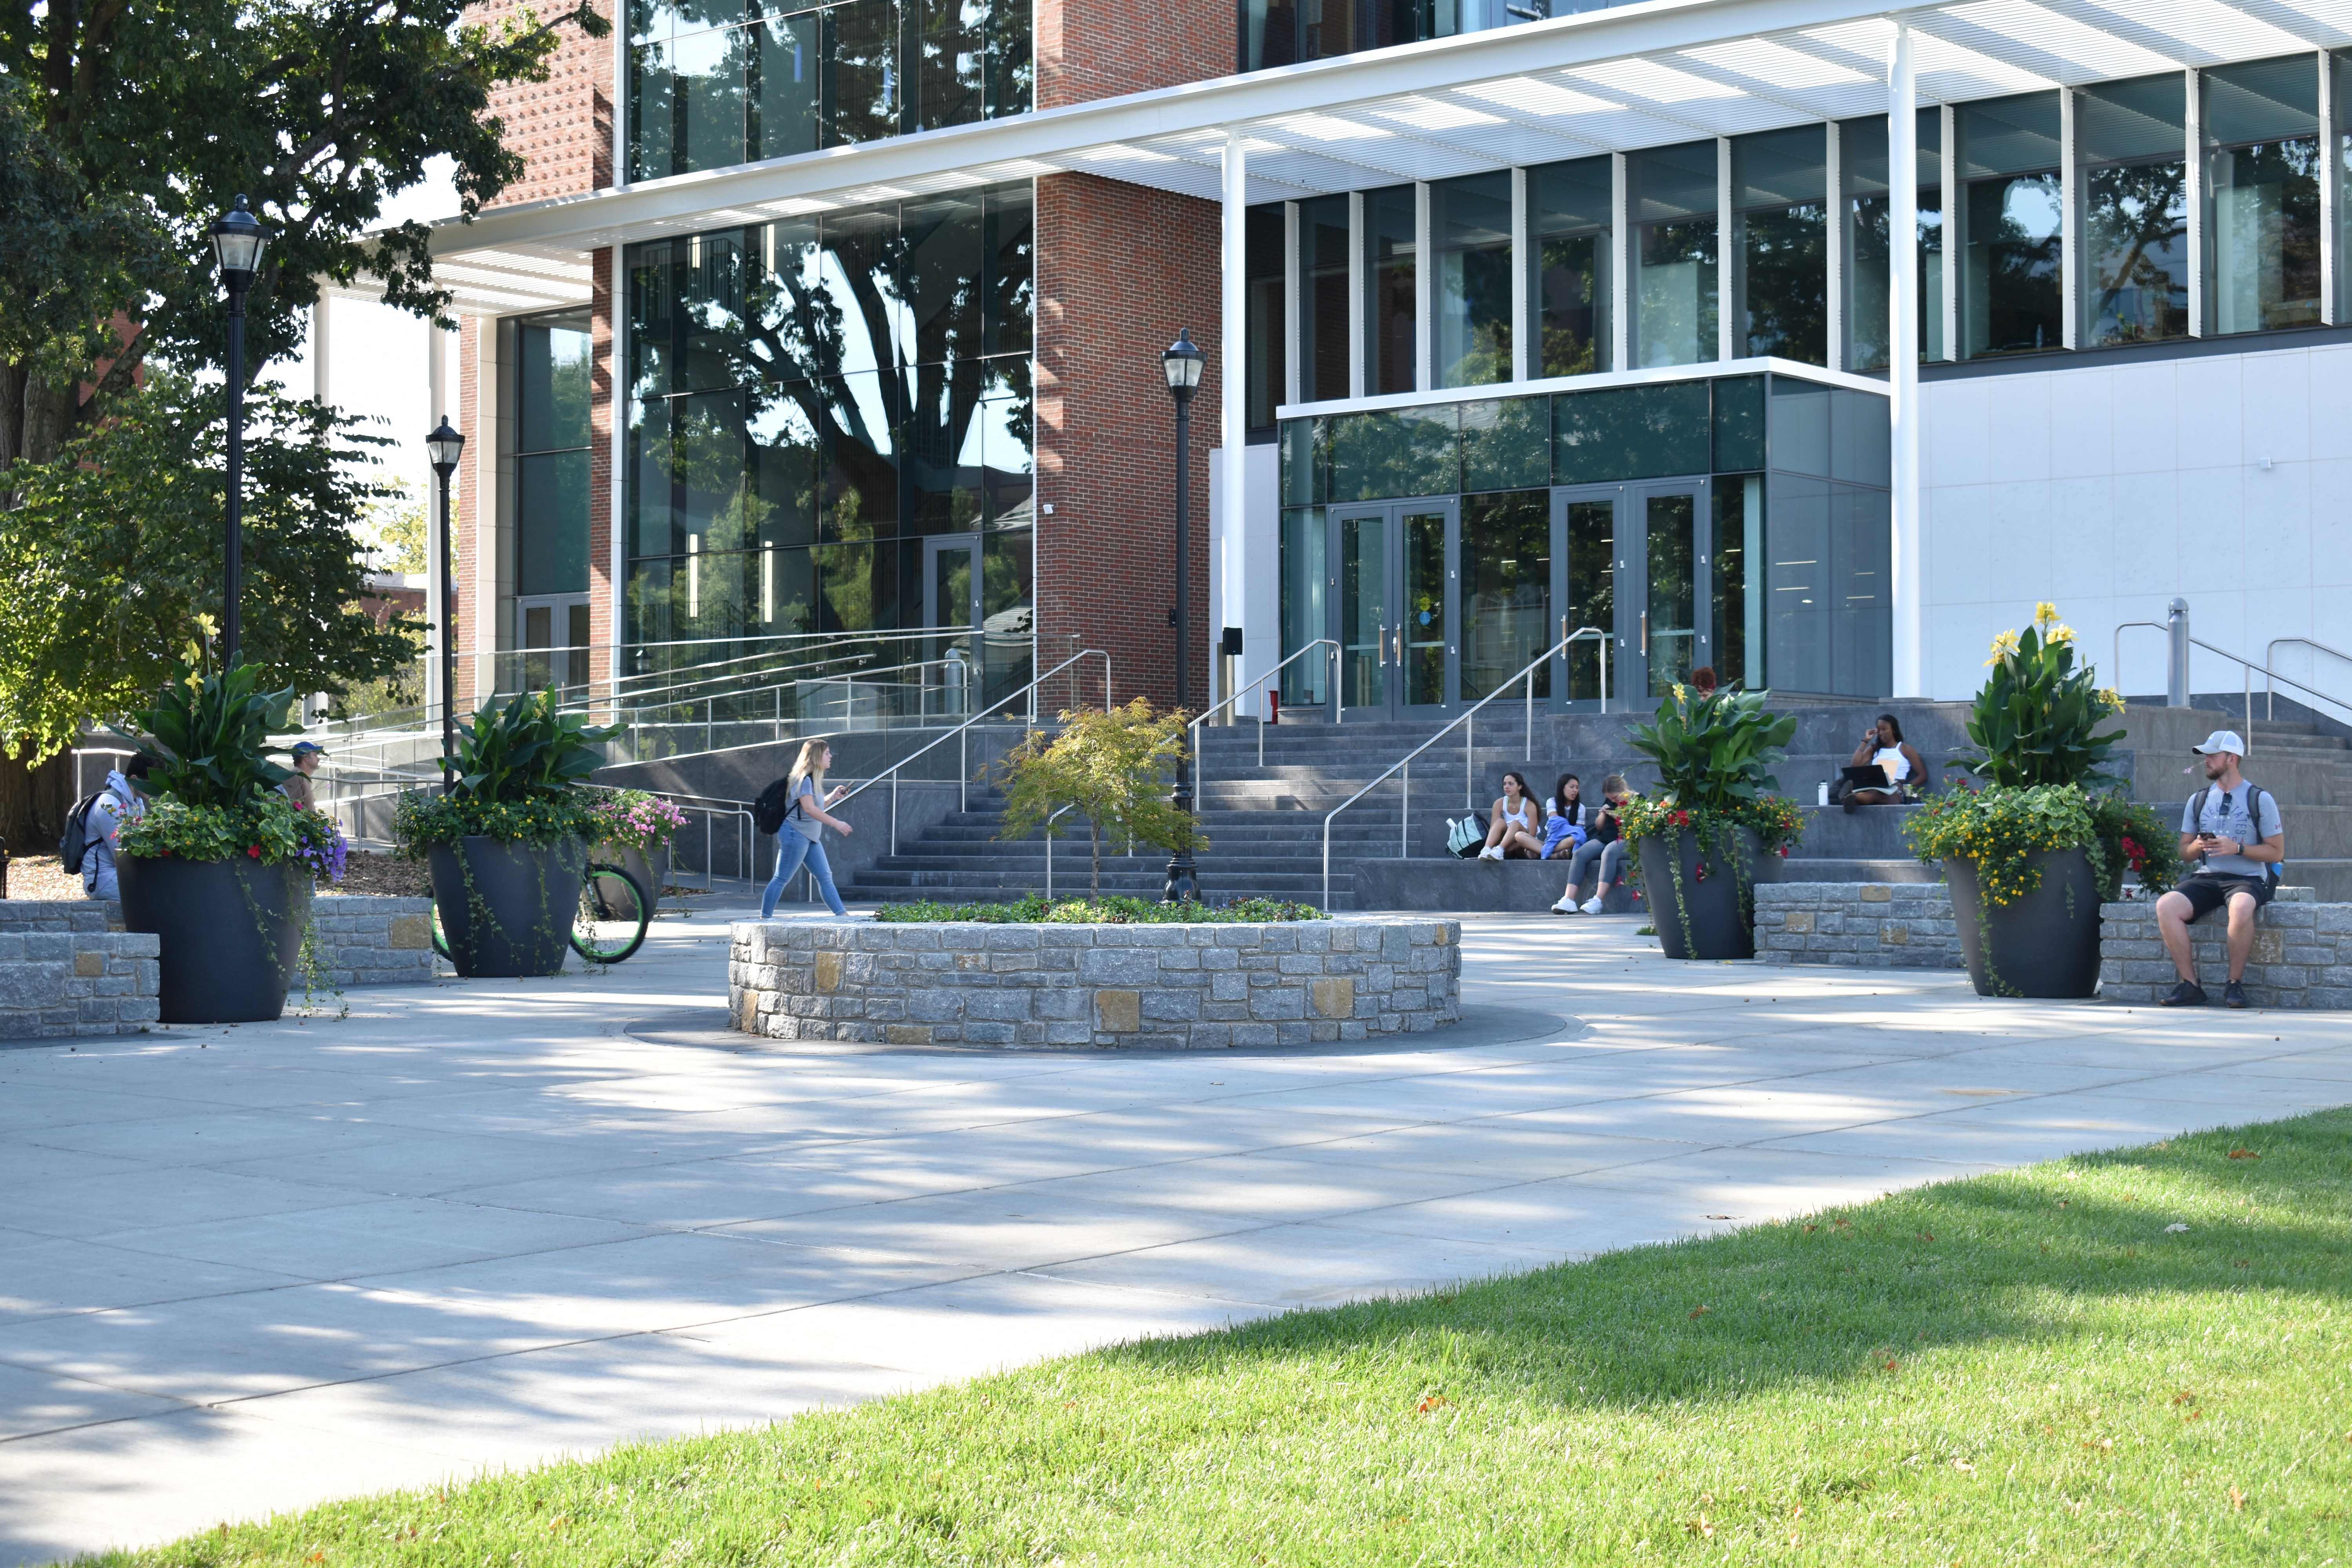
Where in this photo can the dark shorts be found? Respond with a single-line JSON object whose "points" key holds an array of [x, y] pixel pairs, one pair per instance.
{"points": [[2206, 894]]}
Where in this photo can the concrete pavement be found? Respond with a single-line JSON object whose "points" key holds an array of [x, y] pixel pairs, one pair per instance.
{"points": [[494, 1223]]}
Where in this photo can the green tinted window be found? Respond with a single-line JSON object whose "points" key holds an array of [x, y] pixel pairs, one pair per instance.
{"points": [[1404, 452], [1304, 469], [1631, 433], [1504, 444], [1739, 425]]}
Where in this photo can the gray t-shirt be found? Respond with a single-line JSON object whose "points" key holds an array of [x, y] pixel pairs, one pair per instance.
{"points": [[802, 798], [2225, 814]]}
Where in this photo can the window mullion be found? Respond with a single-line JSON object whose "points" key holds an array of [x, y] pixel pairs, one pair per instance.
{"points": [[2195, 119], [1522, 277], [1620, 272]]}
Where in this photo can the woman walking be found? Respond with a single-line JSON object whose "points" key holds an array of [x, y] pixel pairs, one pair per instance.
{"points": [[800, 841]]}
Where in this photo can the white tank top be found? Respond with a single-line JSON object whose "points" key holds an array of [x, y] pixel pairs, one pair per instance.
{"points": [[1890, 758], [1517, 818]]}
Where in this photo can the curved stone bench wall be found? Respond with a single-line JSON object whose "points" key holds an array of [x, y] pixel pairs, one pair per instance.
{"points": [[1160, 987]]}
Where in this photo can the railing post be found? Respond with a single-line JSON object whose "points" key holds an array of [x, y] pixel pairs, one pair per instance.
{"points": [[2176, 669], [1532, 715], [894, 811], [964, 771], [1469, 746], [1404, 812]]}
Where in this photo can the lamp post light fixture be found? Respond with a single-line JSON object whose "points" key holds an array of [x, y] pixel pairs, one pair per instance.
{"points": [[443, 443], [1183, 361], [238, 240]]}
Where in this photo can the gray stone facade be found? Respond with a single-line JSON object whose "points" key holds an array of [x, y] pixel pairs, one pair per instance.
{"points": [[2301, 956], [1867, 925], [372, 940], [68, 968], [1160, 987]]}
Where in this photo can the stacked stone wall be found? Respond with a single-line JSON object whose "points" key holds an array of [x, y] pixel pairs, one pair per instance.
{"points": [[68, 968], [1868, 925], [369, 939], [2302, 955], [1167, 987]]}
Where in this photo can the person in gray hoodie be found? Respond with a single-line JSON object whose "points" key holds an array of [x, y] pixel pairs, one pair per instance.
{"points": [[120, 803]]}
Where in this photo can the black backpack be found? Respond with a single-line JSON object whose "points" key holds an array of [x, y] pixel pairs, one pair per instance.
{"points": [[2274, 871], [75, 845], [774, 805]]}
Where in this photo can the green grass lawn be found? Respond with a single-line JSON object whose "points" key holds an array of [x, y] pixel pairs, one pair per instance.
{"points": [[2027, 1368]]}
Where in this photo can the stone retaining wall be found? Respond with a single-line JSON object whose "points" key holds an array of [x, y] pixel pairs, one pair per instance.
{"points": [[366, 939], [1868, 925], [2301, 956], [68, 968], [1137, 986]]}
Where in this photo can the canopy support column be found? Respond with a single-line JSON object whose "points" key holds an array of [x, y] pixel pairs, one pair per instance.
{"points": [[1903, 367], [1232, 394]]}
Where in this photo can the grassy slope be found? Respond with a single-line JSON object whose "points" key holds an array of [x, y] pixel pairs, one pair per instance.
{"points": [[2023, 1368]]}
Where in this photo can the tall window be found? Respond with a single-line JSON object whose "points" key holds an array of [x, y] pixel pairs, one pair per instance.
{"points": [[547, 573], [1323, 299], [1779, 215], [2011, 211], [1862, 156], [2261, 136], [1675, 277], [1390, 252], [732, 81], [2132, 140], [1569, 215], [1470, 222], [1267, 329]]}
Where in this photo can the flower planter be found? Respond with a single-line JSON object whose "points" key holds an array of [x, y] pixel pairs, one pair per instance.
{"points": [[2043, 945], [230, 933], [1709, 916], [650, 869], [506, 910]]}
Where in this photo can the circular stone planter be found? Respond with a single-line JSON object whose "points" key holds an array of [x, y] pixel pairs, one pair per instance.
{"points": [[2043, 945], [1710, 920], [230, 933], [507, 909], [1150, 988]]}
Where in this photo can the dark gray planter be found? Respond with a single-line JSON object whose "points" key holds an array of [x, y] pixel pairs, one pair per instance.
{"points": [[230, 933], [1709, 916], [650, 870], [2043, 945], [507, 909]]}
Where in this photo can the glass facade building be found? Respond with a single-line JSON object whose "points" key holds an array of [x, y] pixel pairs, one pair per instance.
{"points": [[829, 431]]}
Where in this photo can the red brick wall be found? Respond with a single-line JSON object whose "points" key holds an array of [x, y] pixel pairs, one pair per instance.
{"points": [[563, 126], [1100, 48], [1107, 305]]}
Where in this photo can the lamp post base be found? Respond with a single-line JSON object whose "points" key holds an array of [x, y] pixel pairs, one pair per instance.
{"points": [[1183, 878]]}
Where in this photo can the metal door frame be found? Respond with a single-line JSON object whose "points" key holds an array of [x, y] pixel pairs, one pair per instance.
{"points": [[1391, 703], [1630, 663], [935, 679], [557, 607], [1564, 620]]}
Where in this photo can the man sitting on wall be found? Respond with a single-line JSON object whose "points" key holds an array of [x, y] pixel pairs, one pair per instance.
{"points": [[2232, 828]]}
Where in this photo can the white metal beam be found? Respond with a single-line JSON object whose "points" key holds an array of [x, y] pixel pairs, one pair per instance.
{"points": [[1906, 607]]}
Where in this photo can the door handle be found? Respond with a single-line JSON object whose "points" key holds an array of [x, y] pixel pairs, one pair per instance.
{"points": [[1645, 634], [1381, 644]]}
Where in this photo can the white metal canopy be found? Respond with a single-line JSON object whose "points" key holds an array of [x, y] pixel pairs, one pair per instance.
{"points": [[1645, 75]]}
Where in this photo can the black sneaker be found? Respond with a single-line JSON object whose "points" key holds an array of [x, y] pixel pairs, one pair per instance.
{"points": [[2188, 993], [2234, 994]]}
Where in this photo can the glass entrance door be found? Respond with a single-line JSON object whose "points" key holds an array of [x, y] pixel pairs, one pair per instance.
{"points": [[1393, 606], [951, 581], [1584, 585], [554, 640], [1663, 588]]}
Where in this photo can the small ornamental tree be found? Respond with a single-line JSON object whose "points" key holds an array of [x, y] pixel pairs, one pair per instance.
{"points": [[1110, 768]]}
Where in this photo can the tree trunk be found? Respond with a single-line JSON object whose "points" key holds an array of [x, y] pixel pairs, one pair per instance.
{"points": [[34, 803], [1094, 848]]}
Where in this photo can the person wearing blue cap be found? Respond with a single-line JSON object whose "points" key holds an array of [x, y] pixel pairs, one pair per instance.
{"points": [[2230, 829], [306, 762]]}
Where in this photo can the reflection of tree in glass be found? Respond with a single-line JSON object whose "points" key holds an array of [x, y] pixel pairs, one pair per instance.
{"points": [[1786, 292], [1571, 304], [2138, 219], [2013, 264]]}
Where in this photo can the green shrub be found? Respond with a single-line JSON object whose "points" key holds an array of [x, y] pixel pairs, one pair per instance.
{"points": [[209, 736], [2037, 714], [519, 766], [1715, 750]]}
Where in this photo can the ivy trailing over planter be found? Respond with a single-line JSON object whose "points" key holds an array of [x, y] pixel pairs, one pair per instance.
{"points": [[1714, 751]]}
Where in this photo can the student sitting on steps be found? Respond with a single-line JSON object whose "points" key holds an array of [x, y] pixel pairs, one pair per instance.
{"points": [[2233, 828]]}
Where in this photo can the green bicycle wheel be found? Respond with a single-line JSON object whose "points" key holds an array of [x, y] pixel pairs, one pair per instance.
{"points": [[612, 916]]}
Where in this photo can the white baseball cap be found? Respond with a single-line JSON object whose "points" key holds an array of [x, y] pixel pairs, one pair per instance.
{"points": [[2221, 740]]}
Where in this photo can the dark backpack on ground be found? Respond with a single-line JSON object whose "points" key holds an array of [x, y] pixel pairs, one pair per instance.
{"points": [[75, 845], [775, 804], [2274, 871]]}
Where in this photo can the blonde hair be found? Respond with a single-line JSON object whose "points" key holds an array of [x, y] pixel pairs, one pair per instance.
{"points": [[1614, 785], [806, 765]]}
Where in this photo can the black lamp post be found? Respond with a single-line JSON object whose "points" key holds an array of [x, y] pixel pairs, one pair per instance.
{"points": [[443, 443], [1183, 361], [238, 239]]}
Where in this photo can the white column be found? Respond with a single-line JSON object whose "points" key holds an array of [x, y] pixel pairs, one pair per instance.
{"points": [[2070, 224], [436, 576], [1903, 353], [1523, 279], [1424, 290], [1621, 266], [1838, 235], [1727, 334], [320, 382], [1294, 373], [1225, 595], [2195, 126]]}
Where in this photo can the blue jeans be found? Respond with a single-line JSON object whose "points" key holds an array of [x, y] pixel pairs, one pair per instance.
{"points": [[792, 850]]}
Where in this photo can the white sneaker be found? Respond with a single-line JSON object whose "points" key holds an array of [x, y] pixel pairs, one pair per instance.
{"points": [[1492, 852], [1567, 905], [1592, 905]]}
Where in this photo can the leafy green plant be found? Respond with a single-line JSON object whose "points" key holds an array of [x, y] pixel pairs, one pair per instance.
{"points": [[1116, 909], [1714, 752], [268, 828], [209, 733], [526, 748], [2000, 828], [2134, 837], [1109, 769], [2037, 715]]}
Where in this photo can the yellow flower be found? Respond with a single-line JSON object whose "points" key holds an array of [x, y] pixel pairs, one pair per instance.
{"points": [[2060, 633], [1680, 695], [2112, 698], [2045, 613], [2002, 647]]}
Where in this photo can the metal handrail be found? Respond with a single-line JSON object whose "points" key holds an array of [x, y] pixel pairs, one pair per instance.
{"points": [[1049, 846], [2270, 693], [1404, 764], [1338, 703], [956, 734], [2246, 668]]}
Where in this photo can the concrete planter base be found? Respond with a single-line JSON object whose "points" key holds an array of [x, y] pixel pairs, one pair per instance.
{"points": [[1150, 987]]}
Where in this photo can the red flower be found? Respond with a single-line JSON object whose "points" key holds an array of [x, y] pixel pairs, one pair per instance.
{"points": [[254, 850], [1783, 852]]}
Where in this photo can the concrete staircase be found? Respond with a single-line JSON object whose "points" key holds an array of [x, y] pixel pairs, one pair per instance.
{"points": [[1264, 819]]}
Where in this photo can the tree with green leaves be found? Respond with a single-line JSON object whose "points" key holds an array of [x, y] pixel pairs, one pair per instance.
{"points": [[1111, 769]]}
